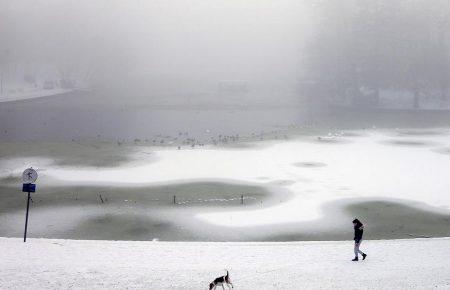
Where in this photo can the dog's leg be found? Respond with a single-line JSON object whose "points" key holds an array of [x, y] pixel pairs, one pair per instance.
{"points": [[223, 287], [228, 284]]}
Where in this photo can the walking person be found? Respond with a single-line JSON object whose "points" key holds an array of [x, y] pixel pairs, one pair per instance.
{"points": [[359, 230]]}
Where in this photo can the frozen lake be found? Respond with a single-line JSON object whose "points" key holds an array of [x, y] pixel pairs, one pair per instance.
{"points": [[304, 187]]}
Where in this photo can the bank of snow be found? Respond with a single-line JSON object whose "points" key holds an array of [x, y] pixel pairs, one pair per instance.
{"points": [[32, 94], [63, 264]]}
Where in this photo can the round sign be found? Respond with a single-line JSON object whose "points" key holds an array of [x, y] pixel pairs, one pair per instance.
{"points": [[29, 175]]}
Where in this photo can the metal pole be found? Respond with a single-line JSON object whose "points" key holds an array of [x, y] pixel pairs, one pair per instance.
{"points": [[26, 219]]}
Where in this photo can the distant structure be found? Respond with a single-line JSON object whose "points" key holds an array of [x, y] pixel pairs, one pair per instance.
{"points": [[48, 85], [232, 87], [66, 83]]}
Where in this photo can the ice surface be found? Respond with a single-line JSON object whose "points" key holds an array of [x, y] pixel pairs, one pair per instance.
{"points": [[366, 166]]}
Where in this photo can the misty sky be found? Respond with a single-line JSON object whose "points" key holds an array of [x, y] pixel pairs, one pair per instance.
{"points": [[257, 40]]}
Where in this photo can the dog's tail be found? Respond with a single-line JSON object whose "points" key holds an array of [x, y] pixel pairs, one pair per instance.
{"points": [[227, 273]]}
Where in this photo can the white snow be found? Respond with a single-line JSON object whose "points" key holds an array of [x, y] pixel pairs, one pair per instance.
{"points": [[31, 94], [74, 264], [367, 166], [364, 166]]}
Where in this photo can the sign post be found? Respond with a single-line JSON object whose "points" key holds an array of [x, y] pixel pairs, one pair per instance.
{"points": [[28, 177]]}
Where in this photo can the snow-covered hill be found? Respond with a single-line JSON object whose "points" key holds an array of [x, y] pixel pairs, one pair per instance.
{"points": [[75, 264]]}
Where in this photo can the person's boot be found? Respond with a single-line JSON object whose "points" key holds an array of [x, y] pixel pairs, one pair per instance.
{"points": [[355, 259], [364, 256]]}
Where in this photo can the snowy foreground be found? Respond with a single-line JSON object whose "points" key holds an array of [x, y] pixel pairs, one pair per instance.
{"points": [[62, 264]]}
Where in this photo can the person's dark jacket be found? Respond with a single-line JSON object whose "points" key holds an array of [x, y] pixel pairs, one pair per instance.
{"points": [[359, 230]]}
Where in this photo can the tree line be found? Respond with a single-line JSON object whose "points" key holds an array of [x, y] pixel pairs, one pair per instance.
{"points": [[362, 50]]}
